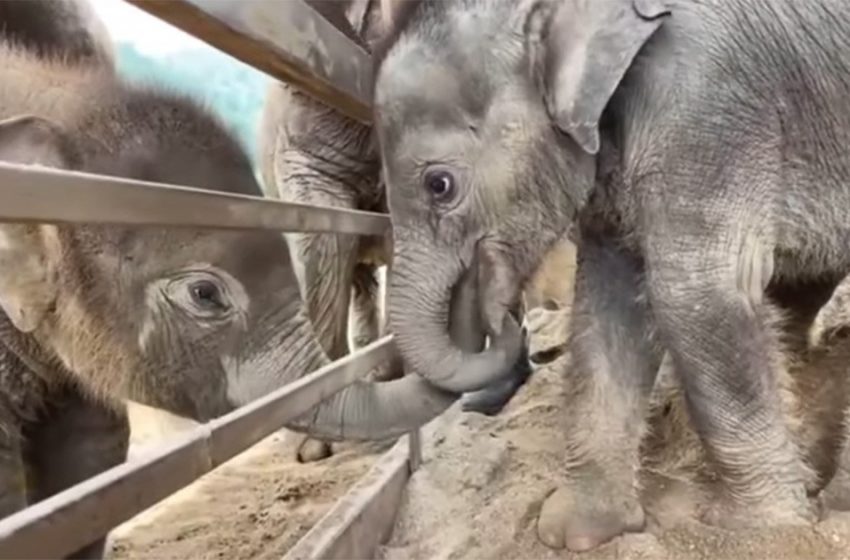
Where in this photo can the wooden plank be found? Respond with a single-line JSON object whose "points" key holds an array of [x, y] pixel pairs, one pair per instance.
{"points": [[363, 519], [40, 194], [77, 516], [286, 39]]}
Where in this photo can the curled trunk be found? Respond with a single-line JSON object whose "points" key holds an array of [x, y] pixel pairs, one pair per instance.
{"points": [[421, 293]]}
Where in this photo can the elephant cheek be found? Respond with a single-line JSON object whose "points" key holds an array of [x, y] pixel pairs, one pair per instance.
{"points": [[246, 379]]}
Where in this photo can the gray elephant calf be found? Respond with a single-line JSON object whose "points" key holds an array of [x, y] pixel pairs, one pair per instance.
{"points": [[312, 154], [702, 147]]}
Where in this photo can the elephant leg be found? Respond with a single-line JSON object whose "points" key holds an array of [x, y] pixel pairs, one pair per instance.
{"points": [[13, 485], [814, 388], [547, 299], [614, 361], [327, 262], [365, 318], [394, 368], [822, 383], [493, 399], [363, 315], [76, 440], [723, 337]]}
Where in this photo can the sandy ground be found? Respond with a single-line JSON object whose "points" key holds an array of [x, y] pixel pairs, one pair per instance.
{"points": [[483, 481], [476, 496], [255, 506]]}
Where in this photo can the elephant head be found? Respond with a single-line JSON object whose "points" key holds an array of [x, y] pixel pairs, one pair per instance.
{"points": [[487, 115], [193, 321]]}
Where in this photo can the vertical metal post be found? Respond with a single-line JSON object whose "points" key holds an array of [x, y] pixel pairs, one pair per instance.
{"points": [[415, 443]]}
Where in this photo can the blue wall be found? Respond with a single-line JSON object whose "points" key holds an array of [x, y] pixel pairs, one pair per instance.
{"points": [[233, 89]]}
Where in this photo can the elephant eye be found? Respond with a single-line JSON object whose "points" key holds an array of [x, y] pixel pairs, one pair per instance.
{"points": [[440, 183], [207, 296]]}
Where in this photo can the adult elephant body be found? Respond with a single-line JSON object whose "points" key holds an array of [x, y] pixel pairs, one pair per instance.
{"points": [[700, 146]]}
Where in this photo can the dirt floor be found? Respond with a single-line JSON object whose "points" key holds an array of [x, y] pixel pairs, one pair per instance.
{"points": [[476, 496], [256, 506], [483, 481]]}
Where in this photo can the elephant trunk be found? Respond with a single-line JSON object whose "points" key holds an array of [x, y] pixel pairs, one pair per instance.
{"points": [[420, 293], [369, 410]]}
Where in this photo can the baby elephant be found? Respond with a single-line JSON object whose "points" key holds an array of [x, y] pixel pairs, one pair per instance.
{"points": [[193, 321], [701, 148]]}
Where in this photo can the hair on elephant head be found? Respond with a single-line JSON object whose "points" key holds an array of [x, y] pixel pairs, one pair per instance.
{"points": [[487, 116], [60, 29], [194, 321]]}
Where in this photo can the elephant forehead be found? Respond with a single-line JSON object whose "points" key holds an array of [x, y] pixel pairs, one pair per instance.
{"points": [[417, 86], [459, 66]]}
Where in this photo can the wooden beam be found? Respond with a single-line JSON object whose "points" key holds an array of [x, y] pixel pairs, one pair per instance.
{"points": [[286, 39], [363, 519]]}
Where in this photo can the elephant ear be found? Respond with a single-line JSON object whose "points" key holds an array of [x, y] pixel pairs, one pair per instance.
{"points": [[588, 45], [28, 252]]}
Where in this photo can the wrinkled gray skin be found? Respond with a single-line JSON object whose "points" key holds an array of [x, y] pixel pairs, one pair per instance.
{"points": [[814, 391], [704, 156], [196, 322], [312, 154], [67, 438]]}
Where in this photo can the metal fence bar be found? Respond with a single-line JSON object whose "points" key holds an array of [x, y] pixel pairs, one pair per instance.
{"points": [[38, 194], [286, 39], [362, 519], [79, 515]]}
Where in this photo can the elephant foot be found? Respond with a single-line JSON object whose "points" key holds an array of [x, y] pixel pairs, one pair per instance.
{"points": [[836, 495], [795, 509], [312, 450], [583, 515], [493, 399]]}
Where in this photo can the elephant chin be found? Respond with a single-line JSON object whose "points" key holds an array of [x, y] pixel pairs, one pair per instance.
{"points": [[419, 311], [369, 410]]}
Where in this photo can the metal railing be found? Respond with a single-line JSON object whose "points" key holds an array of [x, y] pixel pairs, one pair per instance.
{"points": [[288, 40], [29, 194]]}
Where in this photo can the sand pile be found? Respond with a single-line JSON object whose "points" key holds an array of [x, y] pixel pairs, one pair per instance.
{"points": [[483, 481]]}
